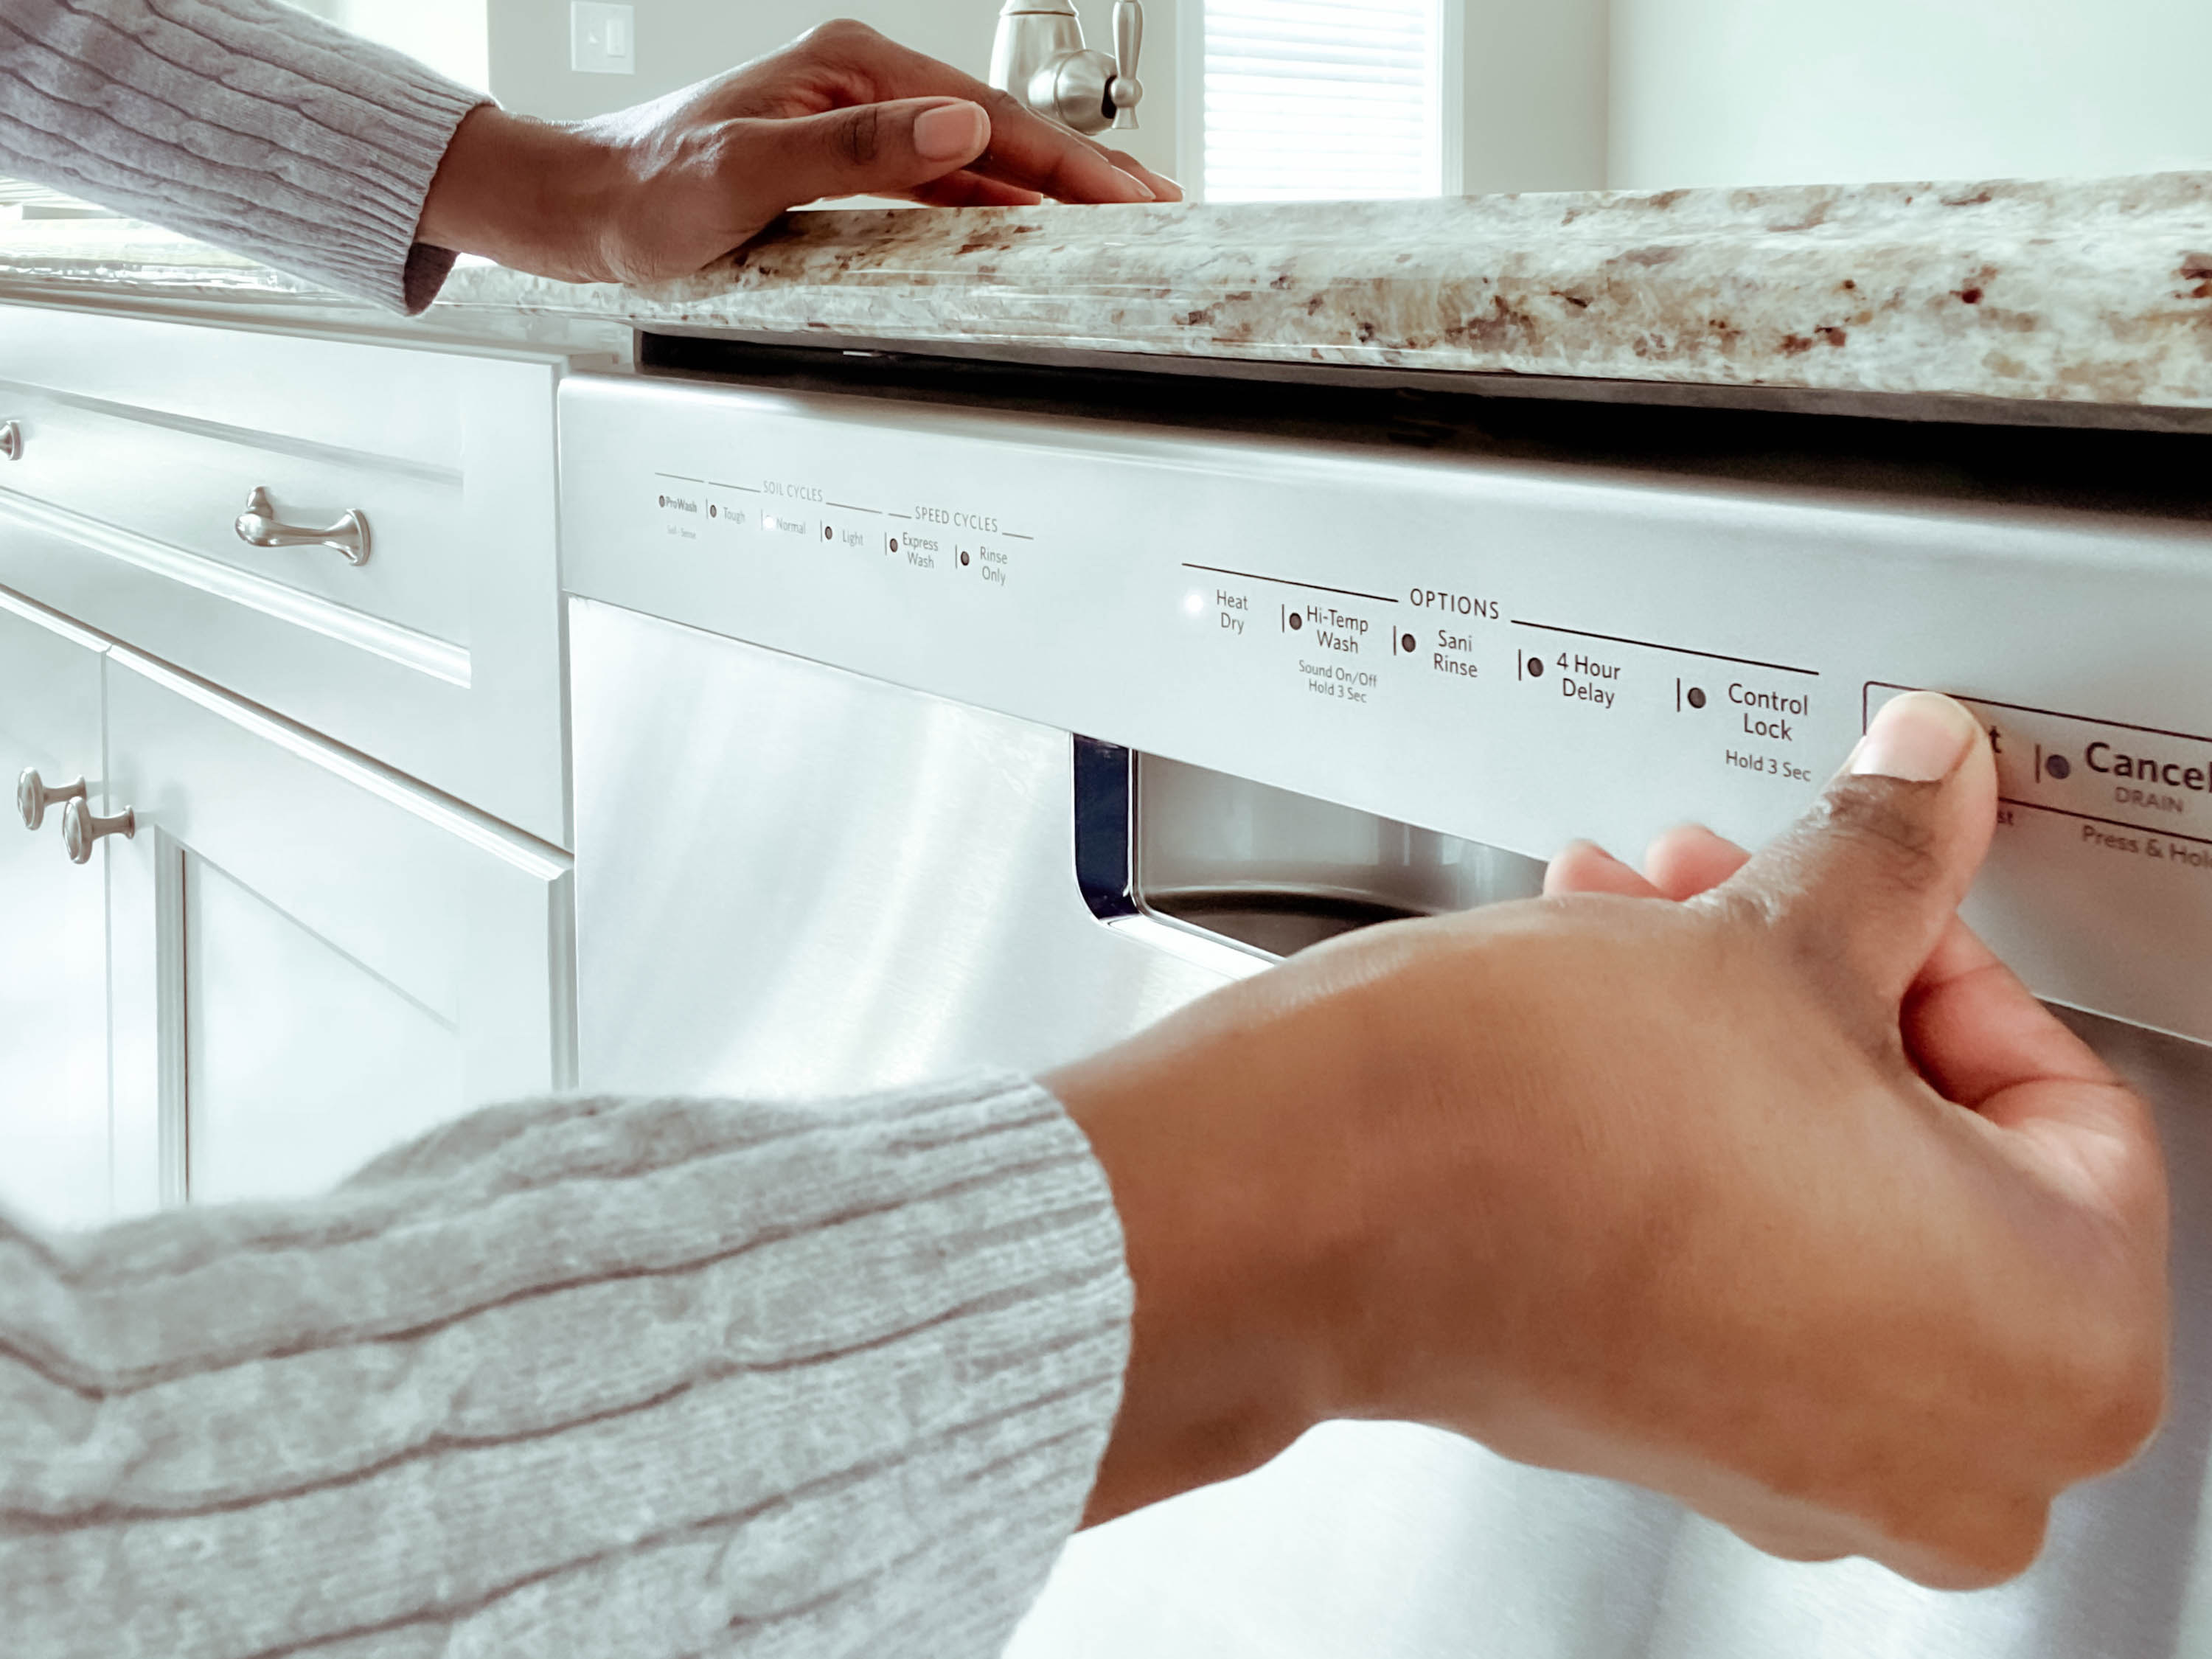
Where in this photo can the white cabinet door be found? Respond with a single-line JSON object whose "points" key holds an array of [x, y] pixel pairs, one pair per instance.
{"points": [[314, 957], [53, 939]]}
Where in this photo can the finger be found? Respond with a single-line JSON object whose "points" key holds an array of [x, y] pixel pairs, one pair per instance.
{"points": [[1980, 1037], [1803, 1543], [1975, 1031], [1025, 148], [868, 149], [1978, 1032], [1057, 162], [1583, 866], [967, 188], [1692, 859], [1162, 187], [1867, 882]]}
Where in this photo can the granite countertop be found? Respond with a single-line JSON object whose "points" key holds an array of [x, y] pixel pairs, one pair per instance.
{"points": [[2079, 300]]}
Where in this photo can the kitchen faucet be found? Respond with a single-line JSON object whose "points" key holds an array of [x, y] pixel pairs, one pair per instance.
{"points": [[1040, 58]]}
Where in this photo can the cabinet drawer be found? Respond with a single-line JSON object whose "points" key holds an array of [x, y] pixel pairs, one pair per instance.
{"points": [[140, 444], [178, 489]]}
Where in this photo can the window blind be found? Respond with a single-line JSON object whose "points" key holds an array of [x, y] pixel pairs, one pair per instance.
{"points": [[1322, 99]]}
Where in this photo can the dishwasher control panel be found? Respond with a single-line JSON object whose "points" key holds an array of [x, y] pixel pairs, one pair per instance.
{"points": [[1514, 652]]}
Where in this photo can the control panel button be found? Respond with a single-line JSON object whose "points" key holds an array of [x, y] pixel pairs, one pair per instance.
{"points": [[2136, 789]]}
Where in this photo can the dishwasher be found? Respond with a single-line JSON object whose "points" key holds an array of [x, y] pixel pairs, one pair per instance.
{"points": [[936, 715]]}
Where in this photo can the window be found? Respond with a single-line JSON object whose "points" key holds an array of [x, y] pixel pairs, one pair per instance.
{"points": [[1317, 100]]}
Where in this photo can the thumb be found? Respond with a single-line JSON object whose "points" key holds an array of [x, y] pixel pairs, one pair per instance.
{"points": [[874, 149], [1872, 876]]}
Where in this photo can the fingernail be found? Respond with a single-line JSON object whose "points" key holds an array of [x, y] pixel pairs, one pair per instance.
{"points": [[1916, 739], [1141, 186], [950, 132]]}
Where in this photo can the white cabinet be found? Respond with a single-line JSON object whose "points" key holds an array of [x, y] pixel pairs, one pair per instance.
{"points": [[53, 960], [342, 913], [312, 958], [140, 444]]}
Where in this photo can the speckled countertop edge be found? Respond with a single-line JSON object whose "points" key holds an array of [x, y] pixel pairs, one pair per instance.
{"points": [[2095, 293]]}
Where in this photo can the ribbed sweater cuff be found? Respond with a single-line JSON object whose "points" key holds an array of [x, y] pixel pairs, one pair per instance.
{"points": [[245, 123], [654, 1378]]}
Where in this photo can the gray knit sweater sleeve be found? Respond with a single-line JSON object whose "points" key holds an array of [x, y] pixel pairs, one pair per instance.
{"points": [[626, 1380], [242, 122]]}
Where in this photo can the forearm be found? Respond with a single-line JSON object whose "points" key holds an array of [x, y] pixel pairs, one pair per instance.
{"points": [[528, 194], [581, 1377], [1251, 1238], [246, 123]]}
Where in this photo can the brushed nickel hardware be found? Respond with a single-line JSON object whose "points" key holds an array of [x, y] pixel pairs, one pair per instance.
{"points": [[259, 527], [11, 439], [1125, 91], [82, 828], [1040, 58], [34, 796]]}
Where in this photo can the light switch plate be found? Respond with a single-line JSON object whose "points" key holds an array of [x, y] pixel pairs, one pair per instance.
{"points": [[602, 39]]}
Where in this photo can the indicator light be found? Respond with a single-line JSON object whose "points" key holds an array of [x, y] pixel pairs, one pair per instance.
{"points": [[2059, 767], [1192, 603], [1409, 644], [1536, 668], [1697, 697]]}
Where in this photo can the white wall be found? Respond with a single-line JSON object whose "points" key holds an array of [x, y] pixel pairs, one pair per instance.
{"points": [[1802, 91], [449, 35], [1533, 100], [680, 41]]}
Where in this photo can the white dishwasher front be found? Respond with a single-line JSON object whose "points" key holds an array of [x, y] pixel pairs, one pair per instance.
{"points": [[912, 739]]}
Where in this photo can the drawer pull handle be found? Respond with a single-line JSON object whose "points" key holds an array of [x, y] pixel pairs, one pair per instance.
{"points": [[34, 796], [259, 527], [11, 439], [82, 828]]}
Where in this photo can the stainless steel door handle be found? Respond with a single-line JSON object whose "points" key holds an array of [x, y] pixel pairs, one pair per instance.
{"points": [[11, 439], [82, 828], [259, 527], [34, 796]]}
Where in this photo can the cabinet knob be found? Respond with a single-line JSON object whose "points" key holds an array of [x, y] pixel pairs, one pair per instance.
{"points": [[82, 828], [259, 527], [11, 439], [33, 795]]}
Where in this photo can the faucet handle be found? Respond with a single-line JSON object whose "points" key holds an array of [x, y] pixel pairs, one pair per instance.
{"points": [[1125, 90]]}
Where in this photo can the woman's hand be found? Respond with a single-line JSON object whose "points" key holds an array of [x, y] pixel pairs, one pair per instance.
{"points": [[665, 188], [1788, 1200]]}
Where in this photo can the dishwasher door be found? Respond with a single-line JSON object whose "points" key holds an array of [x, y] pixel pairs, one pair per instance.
{"points": [[796, 880]]}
